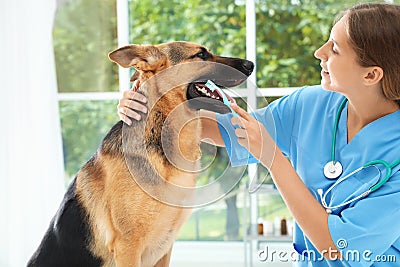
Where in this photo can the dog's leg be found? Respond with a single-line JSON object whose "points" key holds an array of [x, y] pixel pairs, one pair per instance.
{"points": [[127, 253], [164, 261]]}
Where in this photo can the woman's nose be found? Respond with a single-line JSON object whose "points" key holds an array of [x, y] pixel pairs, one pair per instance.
{"points": [[319, 53]]}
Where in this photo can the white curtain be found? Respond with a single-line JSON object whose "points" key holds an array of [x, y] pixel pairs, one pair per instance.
{"points": [[31, 166]]}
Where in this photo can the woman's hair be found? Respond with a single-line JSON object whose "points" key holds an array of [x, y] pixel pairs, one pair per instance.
{"points": [[374, 33]]}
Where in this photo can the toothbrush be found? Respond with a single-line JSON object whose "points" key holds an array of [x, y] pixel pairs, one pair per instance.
{"points": [[227, 103]]}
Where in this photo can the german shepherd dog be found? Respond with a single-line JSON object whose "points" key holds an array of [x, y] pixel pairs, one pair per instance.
{"points": [[107, 216]]}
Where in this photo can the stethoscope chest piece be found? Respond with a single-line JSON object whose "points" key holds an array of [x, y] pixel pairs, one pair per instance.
{"points": [[333, 169]]}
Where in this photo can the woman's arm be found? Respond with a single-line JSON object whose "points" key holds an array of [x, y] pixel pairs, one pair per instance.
{"points": [[209, 128], [306, 210]]}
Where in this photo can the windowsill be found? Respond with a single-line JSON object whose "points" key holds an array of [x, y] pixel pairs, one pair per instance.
{"points": [[221, 254]]}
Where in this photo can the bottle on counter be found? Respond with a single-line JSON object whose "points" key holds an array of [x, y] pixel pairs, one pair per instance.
{"points": [[284, 226], [260, 226]]}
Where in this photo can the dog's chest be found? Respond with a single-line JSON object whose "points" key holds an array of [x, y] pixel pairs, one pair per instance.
{"points": [[164, 233]]}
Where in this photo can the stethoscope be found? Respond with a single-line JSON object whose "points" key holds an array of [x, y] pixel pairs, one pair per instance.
{"points": [[333, 169]]}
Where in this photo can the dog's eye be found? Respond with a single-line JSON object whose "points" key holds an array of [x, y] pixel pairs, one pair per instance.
{"points": [[203, 55]]}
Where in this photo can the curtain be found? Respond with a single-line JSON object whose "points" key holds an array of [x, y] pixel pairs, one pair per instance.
{"points": [[31, 163]]}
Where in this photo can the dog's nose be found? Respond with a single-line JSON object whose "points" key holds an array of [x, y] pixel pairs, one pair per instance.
{"points": [[248, 66]]}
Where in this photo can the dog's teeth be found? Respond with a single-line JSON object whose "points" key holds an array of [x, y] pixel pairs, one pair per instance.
{"points": [[205, 91], [213, 96]]}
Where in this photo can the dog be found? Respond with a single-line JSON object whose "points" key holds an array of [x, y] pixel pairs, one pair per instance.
{"points": [[125, 206]]}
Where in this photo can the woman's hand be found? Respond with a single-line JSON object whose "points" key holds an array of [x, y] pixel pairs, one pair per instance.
{"points": [[131, 102], [253, 136]]}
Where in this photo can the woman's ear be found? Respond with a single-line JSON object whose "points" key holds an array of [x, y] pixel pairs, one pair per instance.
{"points": [[373, 75]]}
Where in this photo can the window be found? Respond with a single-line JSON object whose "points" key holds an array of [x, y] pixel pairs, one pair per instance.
{"points": [[280, 36], [84, 32]]}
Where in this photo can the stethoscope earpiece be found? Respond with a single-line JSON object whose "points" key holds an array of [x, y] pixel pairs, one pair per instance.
{"points": [[322, 197]]}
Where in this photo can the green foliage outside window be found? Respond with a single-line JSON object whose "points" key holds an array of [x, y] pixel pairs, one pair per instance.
{"points": [[84, 125], [220, 25], [83, 34]]}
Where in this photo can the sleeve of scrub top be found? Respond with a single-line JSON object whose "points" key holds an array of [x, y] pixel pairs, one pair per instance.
{"points": [[277, 118], [371, 226]]}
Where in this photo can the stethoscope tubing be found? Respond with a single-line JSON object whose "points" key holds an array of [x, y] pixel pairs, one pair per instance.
{"points": [[341, 179], [335, 126]]}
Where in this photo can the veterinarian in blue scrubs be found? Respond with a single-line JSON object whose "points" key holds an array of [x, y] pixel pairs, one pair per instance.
{"points": [[342, 183]]}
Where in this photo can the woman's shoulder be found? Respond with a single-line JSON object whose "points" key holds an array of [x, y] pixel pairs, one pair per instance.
{"points": [[316, 92], [316, 97], [306, 101]]}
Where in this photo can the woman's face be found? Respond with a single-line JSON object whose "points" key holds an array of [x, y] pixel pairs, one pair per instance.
{"points": [[340, 70]]}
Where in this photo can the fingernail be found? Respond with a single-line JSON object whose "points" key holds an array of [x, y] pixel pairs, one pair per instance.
{"points": [[138, 117], [144, 110]]}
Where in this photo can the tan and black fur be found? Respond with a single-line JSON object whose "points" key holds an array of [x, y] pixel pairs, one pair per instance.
{"points": [[108, 217]]}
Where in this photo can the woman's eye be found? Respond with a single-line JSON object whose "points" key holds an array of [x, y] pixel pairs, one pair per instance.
{"points": [[334, 50]]}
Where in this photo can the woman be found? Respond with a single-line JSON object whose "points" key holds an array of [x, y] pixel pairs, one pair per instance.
{"points": [[352, 118]]}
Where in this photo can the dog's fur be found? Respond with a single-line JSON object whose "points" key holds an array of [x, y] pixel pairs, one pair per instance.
{"points": [[107, 218]]}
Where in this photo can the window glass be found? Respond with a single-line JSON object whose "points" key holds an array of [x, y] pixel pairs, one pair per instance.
{"points": [[84, 124], [219, 25], [83, 34], [218, 222], [288, 33]]}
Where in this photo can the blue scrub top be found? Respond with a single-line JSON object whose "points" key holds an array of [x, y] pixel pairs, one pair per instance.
{"points": [[367, 231]]}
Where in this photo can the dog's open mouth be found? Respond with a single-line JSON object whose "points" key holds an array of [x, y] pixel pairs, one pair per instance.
{"points": [[204, 91], [202, 97]]}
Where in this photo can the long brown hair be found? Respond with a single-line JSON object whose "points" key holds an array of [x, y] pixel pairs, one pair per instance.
{"points": [[374, 33]]}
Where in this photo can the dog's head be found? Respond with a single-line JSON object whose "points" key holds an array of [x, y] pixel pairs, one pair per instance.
{"points": [[149, 60]]}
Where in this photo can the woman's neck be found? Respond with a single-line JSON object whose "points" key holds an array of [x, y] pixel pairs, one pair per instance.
{"points": [[364, 110]]}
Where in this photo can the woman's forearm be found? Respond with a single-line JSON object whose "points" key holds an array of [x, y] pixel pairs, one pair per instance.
{"points": [[306, 210], [209, 128]]}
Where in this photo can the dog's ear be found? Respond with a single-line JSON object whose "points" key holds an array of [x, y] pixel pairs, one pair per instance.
{"points": [[141, 57]]}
